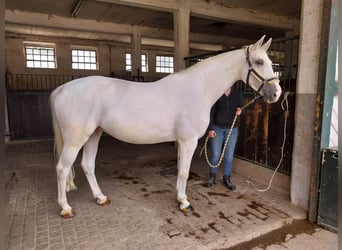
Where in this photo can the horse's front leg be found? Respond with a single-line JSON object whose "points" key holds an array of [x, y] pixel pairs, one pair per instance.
{"points": [[186, 149]]}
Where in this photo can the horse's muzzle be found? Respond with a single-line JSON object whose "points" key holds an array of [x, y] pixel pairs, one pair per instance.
{"points": [[271, 92]]}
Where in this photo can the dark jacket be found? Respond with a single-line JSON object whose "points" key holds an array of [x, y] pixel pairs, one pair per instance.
{"points": [[223, 112]]}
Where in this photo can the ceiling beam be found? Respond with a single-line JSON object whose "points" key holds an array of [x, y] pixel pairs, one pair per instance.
{"points": [[212, 10], [46, 20], [162, 5], [12, 29], [243, 16], [30, 23], [36, 23]]}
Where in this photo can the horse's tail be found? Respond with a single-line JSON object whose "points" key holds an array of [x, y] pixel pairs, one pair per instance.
{"points": [[58, 138]]}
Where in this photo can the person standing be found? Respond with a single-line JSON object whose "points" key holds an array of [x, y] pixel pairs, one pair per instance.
{"points": [[221, 118]]}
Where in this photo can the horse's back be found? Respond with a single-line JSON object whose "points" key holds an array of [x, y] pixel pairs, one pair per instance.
{"points": [[129, 111]]}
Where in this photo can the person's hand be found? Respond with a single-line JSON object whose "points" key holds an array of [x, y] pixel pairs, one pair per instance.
{"points": [[211, 134], [238, 111]]}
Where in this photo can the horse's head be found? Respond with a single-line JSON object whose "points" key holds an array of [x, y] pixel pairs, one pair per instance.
{"points": [[260, 74]]}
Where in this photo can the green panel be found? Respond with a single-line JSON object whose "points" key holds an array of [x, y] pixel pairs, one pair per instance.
{"points": [[328, 200], [331, 86]]}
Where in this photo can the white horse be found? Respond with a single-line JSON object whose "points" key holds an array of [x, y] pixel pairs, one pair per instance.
{"points": [[175, 108]]}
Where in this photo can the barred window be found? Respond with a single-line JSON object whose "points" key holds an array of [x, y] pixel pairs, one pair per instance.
{"points": [[40, 57], [84, 59], [164, 64]]}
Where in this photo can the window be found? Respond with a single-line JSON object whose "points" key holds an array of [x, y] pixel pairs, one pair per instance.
{"points": [[128, 62], [164, 64], [84, 59], [40, 57], [144, 64]]}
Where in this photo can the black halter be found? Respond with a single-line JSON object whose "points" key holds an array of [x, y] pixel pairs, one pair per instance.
{"points": [[257, 75]]}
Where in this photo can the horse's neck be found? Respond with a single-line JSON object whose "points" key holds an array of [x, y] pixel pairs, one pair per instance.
{"points": [[219, 73]]}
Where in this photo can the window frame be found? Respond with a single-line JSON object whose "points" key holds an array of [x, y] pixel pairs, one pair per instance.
{"points": [[146, 62], [128, 66], [37, 50], [163, 67], [84, 62]]}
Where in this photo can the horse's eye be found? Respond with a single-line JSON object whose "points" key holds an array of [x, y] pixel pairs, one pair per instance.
{"points": [[259, 62]]}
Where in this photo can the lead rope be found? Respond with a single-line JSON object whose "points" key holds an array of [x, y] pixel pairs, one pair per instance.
{"points": [[205, 147], [282, 147]]}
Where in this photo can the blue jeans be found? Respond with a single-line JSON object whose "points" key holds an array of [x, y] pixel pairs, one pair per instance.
{"points": [[217, 144]]}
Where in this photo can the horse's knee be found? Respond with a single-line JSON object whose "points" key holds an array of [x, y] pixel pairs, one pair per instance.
{"points": [[62, 174], [59, 168]]}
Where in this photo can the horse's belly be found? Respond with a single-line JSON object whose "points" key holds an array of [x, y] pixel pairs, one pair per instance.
{"points": [[139, 138], [139, 134]]}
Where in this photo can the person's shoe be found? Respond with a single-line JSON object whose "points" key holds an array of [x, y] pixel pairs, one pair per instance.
{"points": [[211, 181], [227, 182]]}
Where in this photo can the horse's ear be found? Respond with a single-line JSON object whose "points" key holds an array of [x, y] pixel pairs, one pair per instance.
{"points": [[267, 44], [258, 44]]}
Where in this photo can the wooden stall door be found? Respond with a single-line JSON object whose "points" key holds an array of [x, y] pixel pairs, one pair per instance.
{"points": [[29, 115]]}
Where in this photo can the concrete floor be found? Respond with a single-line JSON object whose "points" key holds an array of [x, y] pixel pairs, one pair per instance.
{"points": [[140, 180]]}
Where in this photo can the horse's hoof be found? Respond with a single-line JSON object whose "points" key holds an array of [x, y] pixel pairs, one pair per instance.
{"points": [[104, 202], [188, 209], [67, 214]]}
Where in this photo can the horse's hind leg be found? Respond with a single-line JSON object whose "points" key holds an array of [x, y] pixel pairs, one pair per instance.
{"points": [[67, 158], [88, 165]]}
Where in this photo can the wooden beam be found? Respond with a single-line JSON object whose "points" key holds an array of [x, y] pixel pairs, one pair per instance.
{"points": [[12, 28], [199, 41], [162, 5], [23, 22], [52, 21], [214, 11]]}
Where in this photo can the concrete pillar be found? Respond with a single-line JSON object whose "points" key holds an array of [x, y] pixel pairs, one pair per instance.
{"points": [[152, 62], [136, 51], [307, 81], [181, 20]]}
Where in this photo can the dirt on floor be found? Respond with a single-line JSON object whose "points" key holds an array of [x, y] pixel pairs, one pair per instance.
{"points": [[278, 236]]}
